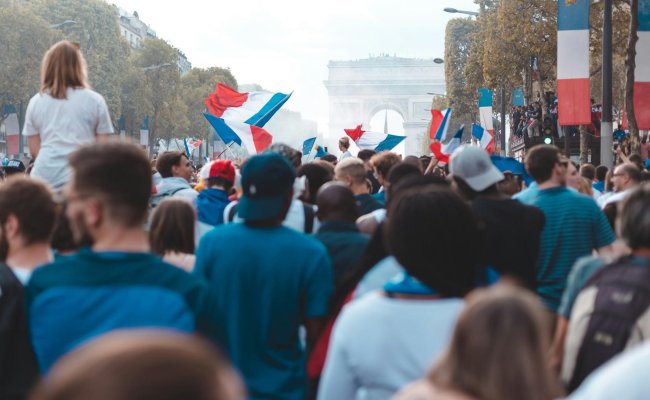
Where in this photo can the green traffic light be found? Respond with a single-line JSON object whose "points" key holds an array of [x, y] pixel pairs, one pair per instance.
{"points": [[548, 140]]}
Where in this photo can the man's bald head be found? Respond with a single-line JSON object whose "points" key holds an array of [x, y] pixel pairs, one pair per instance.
{"points": [[336, 202]]}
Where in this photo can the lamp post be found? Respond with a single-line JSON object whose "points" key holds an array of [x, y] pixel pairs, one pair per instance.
{"points": [[455, 11], [606, 138]]}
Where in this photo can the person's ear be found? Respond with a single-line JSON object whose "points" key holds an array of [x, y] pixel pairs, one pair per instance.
{"points": [[94, 213], [12, 227]]}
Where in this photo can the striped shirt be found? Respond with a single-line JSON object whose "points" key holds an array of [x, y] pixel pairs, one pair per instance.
{"points": [[574, 227]]}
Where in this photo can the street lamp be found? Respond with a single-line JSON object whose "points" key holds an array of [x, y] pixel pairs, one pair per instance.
{"points": [[66, 22], [453, 11]]}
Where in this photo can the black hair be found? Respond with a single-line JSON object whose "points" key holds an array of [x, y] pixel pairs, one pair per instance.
{"points": [[445, 258]]}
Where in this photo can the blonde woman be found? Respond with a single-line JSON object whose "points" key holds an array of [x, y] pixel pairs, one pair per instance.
{"points": [[64, 115], [498, 352]]}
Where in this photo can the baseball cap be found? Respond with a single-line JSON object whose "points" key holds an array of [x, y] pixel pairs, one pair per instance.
{"points": [[473, 165], [219, 169], [266, 179], [14, 167]]}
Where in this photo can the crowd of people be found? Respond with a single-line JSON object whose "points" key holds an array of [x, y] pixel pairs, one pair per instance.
{"points": [[372, 276]]}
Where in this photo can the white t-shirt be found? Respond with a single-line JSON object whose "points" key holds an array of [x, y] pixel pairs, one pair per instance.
{"points": [[64, 125], [380, 344]]}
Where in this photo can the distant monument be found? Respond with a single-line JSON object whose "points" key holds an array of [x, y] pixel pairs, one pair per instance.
{"points": [[359, 89]]}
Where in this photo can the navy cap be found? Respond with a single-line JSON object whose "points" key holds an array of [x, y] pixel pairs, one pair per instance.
{"points": [[14, 167], [266, 179]]}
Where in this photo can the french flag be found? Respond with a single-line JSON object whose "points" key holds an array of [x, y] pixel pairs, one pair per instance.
{"points": [[442, 152], [253, 138], [484, 138], [642, 69], [485, 110], [574, 107], [254, 108], [376, 141], [439, 124]]}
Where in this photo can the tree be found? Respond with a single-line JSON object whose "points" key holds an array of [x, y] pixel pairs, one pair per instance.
{"points": [[629, 84], [461, 97], [157, 61], [96, 30], [25, 38], [195, 86]]}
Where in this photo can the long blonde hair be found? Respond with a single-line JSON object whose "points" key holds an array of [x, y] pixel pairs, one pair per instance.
{"points": [[499, 347], [63, 66]]}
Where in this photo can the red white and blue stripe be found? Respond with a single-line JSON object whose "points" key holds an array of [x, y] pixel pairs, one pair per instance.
{"points": [[442, 152], [574, 107], [485, 140], [254, 108], [439, 124], [253, 138], [376, 141], [642, 70], [485, 110]]}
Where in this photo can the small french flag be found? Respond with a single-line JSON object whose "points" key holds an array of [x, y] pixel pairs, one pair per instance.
{"points": [[376, 141], [253, 138], [642, 70], [439, 124], [442, 152], [254, 108], [484, 138]]}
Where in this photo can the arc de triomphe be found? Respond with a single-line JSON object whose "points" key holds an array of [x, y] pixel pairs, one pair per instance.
{"points": [[359, 89]]}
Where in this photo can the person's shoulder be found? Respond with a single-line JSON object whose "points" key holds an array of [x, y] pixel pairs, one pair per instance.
{"points": [[7, 277], [426, 390], [89, 94]]}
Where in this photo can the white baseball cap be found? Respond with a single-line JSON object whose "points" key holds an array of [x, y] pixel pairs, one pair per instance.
{"points": [[473, 165]]}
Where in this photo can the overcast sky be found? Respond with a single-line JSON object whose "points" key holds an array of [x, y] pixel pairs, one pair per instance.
{"points": [[285, 45]]}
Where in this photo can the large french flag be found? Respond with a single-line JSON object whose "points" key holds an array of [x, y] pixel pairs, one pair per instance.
{"points": [[574, 107], [442, 152], [642, 70], [253, 138], [484, 138], [485, 110], [254, 108], [376, 141], [439, 124]]}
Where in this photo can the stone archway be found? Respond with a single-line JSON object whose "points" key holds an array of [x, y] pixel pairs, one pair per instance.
{"points": [[358, 89]]}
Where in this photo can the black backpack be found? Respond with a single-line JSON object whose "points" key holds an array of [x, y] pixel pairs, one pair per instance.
{"points": [[310, 214], [622, 297]]}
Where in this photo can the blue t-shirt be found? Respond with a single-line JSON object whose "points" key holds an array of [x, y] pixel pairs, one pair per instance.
{"points": [[79, 297], [574, 227], [526, 195], [267, 281]]}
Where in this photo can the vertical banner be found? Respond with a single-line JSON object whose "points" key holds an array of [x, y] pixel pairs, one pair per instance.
{"points": [[518, 98], [144, 133], [485, 110], [574, 107], [13, 129], [642, 70]]}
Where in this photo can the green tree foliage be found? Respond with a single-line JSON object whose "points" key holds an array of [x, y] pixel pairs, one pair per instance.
{"points": [[196, 85], [157, 61], [460, 96], [97, 31], [25, 38]]}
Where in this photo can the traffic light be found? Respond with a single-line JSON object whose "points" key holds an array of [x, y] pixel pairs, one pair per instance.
{"points": [[548, 135]]}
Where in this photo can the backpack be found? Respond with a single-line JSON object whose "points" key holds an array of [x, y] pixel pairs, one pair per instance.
{"points": [[622, 297], [310, 214], [157, 198]]}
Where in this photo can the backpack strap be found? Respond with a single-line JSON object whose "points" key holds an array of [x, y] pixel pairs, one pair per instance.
{"points": [[623, 296], [309, 217], [232, 212]]}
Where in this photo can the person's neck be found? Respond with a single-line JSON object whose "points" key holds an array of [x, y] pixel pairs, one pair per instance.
{"points": [[29, 256], [551, 183], [113, 238], [642, 252], [359, 190]]}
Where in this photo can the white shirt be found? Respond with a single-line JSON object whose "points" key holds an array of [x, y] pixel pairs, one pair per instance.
{"points": [[380, 344], [624, 377], [613, 198], [64, 125]]}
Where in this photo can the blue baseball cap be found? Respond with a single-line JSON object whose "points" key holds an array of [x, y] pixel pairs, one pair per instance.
{"points": [[266, 180]]}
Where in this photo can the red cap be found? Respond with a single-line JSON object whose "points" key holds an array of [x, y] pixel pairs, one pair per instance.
{"points": [[219, 169]]}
